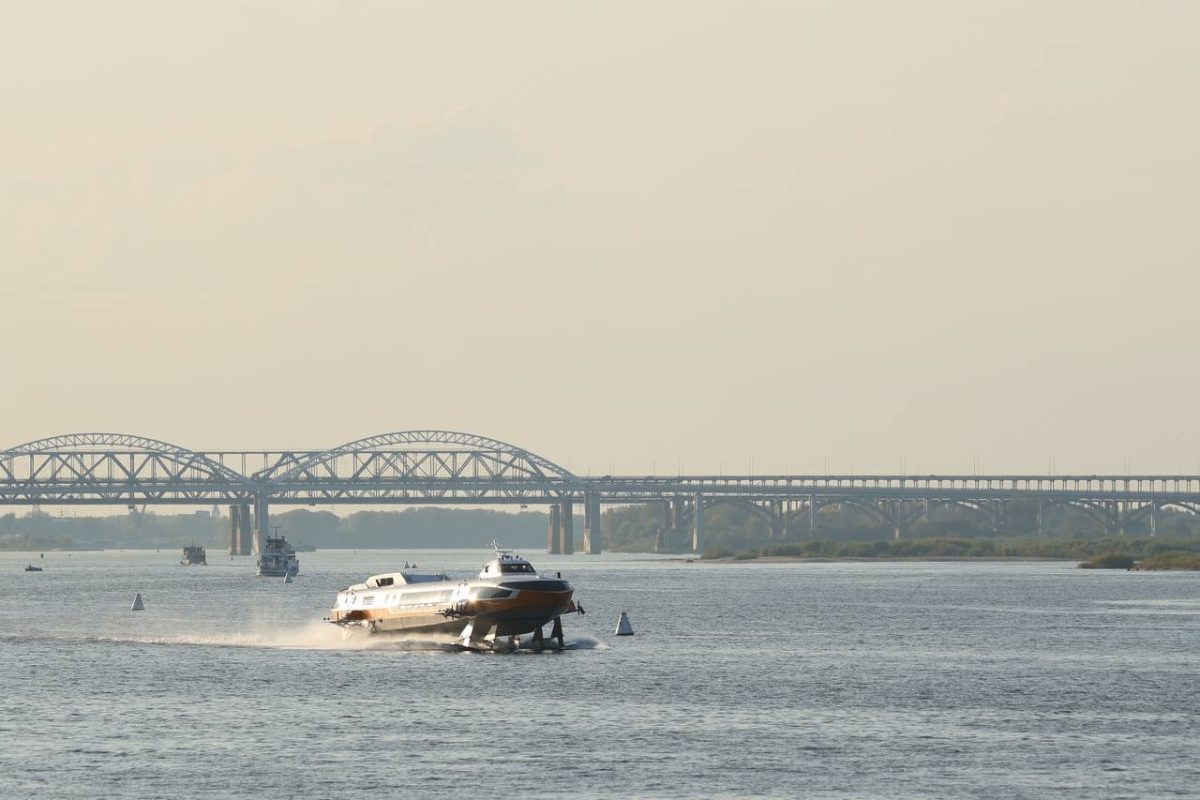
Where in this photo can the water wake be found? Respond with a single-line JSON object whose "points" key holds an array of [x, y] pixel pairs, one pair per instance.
{"points": [[309, 636]]}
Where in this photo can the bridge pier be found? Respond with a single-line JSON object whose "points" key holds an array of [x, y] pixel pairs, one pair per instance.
{"points": [[233, 542], [1153, 518], [554, 531], [778, 525], [246, 544], [233, 531], [593, 535], [812, 516], [697, 522], [567, 543], [676, 534], [662, 541], [239, 530], [262, 523]]}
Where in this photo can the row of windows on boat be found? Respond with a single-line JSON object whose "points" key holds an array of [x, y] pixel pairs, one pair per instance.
{"points": [[510, 568], [435, 598]]}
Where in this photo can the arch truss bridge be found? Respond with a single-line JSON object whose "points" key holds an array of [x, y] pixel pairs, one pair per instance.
{"points": [[449, 468]]}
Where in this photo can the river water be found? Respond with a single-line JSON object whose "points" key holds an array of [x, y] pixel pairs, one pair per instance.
{"points": [[820, 680]]}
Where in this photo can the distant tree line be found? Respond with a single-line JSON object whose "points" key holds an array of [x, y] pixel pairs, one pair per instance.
{"points": [[734, 528], [1128, 549], [412, 527], [416, 527], [729, 528]]}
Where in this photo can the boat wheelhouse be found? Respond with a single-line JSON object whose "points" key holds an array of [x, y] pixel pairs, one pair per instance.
{"points": [[278, 558]]}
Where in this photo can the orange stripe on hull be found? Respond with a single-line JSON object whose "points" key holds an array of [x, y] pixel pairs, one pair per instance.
{"points": [[524, 613]]}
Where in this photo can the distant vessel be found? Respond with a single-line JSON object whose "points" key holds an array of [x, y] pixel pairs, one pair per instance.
{"points": [[507, 599], [32, 568], [193, 555], [278, 558]]}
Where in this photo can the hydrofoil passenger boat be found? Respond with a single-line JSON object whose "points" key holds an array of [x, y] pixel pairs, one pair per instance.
{"points": [[506, 600]]}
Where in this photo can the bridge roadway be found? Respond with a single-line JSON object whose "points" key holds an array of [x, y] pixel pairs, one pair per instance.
{"points": [[454, 468]]}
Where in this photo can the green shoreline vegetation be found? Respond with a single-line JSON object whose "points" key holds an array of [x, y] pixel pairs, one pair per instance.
{"points": [[307, 529], [1110, 559], [1170, 561], [1164, 556], [736, 532], [731, 531], [1134, 553]]}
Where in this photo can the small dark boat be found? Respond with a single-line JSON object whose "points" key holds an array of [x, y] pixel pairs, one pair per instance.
{"points": [[32, 568], [278, 558], [193, 555]]}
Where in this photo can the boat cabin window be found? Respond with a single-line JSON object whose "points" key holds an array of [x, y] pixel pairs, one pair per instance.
{"points": [[385, 581], [490, 593], [508, 569]]}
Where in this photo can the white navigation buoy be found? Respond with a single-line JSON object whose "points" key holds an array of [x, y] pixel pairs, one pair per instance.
{"points": [[287, 577], [138, 605], [623, 626]]}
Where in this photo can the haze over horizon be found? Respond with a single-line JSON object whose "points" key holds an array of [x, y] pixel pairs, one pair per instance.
{"points": [[696, 237]]}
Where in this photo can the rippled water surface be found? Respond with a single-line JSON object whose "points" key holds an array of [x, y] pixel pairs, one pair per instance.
{"points": [[818, 680]]}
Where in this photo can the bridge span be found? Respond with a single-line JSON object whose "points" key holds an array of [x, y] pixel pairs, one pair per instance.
{"points": [[455, 468]]}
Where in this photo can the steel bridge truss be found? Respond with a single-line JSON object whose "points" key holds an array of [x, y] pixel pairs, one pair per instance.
{"points": [[107, 468], [405, 467], [449, 467], [421, 466]]}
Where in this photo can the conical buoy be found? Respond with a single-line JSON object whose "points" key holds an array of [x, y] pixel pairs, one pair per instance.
{"points": [[623, 626], [138, 605]]}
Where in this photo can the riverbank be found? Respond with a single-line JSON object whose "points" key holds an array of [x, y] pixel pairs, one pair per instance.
{"points": [[1172, 561], [863, 559], [1122, 551], [1189, 562]]}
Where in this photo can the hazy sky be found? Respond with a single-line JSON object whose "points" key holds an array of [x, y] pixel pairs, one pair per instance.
{"points": [[696, 235]]}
